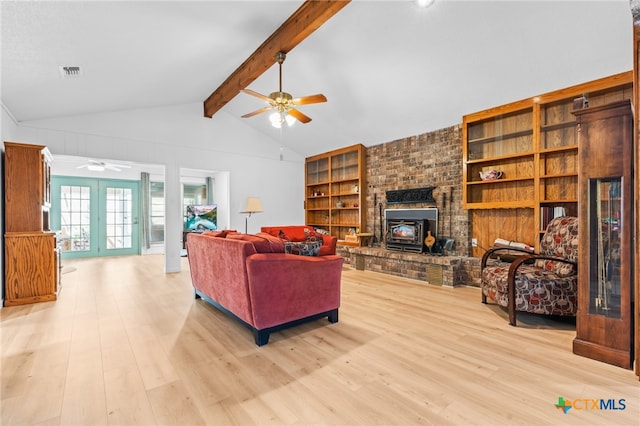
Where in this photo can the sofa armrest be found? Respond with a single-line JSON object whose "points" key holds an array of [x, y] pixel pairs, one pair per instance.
{"points": [[286, 287], [329, 243], [217, 268]]}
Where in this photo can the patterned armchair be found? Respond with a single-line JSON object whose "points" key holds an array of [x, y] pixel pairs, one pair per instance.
{"points": [[545, 283]]}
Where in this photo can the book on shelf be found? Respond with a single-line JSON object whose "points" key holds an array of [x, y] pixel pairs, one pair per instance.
{"points": [[547, 214]]}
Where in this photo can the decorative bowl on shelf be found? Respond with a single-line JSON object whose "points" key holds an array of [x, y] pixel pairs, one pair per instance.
{"points": [[491, 174]]}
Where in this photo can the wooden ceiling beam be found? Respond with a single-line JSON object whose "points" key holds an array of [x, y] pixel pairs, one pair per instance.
{"points": [[304, 21]]}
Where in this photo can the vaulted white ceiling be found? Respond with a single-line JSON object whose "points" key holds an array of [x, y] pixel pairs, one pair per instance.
{"points": [[388, 68]]}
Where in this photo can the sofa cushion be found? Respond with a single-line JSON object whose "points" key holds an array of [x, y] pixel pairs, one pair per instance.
{"points": [[303, 248], [220, 234], [277, 245], [261, 244]]}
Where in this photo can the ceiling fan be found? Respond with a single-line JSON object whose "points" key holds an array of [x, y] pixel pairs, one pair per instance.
{"points": [[100, 166], [283, 102]]}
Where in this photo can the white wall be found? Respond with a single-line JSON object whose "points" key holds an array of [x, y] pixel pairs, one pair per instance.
{"points": [[179, 137], [8, 131]]}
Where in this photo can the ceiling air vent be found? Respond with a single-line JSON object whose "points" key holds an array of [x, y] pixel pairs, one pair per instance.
{"points": [[70, 72]]}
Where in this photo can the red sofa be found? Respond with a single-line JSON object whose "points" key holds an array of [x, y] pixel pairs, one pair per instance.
{"points": [[253, 280], [299, 233]]}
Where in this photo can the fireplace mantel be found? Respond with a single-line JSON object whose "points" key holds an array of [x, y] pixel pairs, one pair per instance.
{"points": [[413, 195]]}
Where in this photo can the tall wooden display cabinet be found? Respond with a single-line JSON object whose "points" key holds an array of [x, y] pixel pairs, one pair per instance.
{"points": [[31, 259], [604, 324]]}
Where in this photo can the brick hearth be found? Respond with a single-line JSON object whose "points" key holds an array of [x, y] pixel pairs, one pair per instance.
{"points": [[448, 271]]}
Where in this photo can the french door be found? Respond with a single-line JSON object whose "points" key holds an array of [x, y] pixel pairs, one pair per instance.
{"points": [[96, 217]]}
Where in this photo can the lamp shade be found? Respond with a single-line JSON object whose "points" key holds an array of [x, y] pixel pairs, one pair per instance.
{"points": [[253, 206]]}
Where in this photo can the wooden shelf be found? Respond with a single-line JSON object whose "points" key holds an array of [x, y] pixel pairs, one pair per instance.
{"points": [[557, 201], [557, 126], [500, 158], [559, 149], [559, 175], [496, 181], [501, 205], [534, 142], [501, 137], [346, 183], [347, 180]]}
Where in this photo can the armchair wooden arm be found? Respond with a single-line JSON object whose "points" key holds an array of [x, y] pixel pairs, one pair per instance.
{"points": [[493, 250]]}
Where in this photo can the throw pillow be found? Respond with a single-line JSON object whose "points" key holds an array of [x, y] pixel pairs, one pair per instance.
{"points": [[283, 236], [309, 235], [308, 248]]}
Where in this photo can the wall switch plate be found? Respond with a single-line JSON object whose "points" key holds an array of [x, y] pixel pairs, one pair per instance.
{"points": [[474, 242]]}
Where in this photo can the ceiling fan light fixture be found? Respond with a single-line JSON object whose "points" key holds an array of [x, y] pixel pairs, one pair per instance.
{"points": [[284, 103], [277, 119], [95, 168]]}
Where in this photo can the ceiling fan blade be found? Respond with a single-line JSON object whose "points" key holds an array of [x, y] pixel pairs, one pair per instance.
{"points": [[298, 115], [257, 95], [260, 111], [311, 99]]}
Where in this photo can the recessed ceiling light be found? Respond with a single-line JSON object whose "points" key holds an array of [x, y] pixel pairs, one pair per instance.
{"points": [[70, 72], [424, 3]]}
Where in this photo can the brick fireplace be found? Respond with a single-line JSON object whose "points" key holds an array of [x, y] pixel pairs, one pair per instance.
{"points": [[431, 159]]}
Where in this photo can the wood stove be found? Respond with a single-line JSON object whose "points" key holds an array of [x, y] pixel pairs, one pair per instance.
{"points": [[406, 229]]}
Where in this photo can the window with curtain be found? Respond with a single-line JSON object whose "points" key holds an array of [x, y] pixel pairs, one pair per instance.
{"points": [[156, 191]]}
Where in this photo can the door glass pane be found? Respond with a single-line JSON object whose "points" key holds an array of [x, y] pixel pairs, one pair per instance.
{"points": [[118, 218], [75, 218], [605, 210]]}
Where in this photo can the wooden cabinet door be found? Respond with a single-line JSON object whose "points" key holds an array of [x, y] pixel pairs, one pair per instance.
{"points": [[30, 268], [24, 187]]}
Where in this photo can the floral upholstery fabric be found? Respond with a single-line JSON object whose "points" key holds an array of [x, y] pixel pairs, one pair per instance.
{"points": [[560, 240], [538, 291], [546, 286], [304, 248]]}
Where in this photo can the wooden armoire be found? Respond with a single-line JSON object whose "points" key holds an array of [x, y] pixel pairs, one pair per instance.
{"points": [[604, 324], [31, 262]]}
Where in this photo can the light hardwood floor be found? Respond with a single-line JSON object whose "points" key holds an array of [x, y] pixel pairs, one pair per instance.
{"points": [[126, 344]]}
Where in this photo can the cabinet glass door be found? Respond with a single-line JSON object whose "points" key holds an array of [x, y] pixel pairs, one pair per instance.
{"points": [[605, 238]]}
